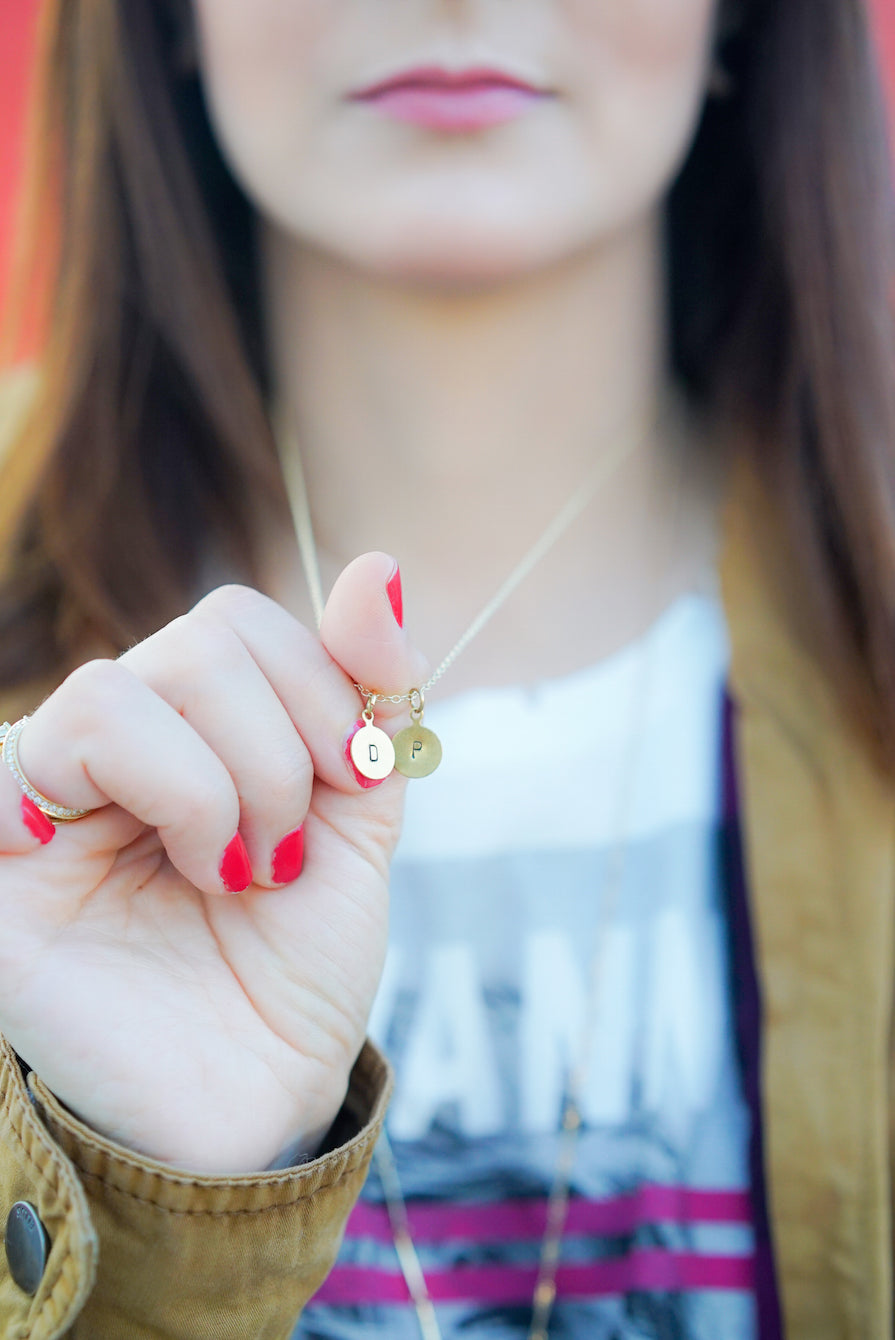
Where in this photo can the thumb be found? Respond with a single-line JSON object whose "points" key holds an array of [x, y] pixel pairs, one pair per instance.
{"points": [[362, 629]]}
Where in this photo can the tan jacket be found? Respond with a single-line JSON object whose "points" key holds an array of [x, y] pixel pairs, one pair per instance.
{"points": [[139, 1251]]}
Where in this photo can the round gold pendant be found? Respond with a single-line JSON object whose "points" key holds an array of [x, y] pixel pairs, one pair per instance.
{"points": [[417, 751], [372, 753]]}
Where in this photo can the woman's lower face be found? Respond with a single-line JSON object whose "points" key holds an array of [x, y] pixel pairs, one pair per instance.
{"points": [[454, 140]]}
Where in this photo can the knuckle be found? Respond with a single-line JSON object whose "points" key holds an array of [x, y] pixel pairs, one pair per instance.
{"points": [[92, 693], [229, 603], [290, 770], [207, 800], [200, 645]]}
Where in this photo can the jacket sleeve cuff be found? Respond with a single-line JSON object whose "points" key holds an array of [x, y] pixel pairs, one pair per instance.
{"points": [[178, 1254]]}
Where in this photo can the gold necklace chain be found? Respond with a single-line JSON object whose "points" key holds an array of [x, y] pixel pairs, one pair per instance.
{"points": [[544, 1293], [583, 494]]}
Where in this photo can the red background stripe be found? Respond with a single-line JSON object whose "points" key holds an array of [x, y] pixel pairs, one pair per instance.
{"points": [[17, 23]]}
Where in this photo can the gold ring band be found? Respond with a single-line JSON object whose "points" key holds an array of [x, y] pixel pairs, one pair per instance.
{"points": [[9, 754]]}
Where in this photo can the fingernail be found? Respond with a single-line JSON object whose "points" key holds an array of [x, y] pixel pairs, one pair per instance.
{"points": [[36, 821], [288, 857], [235, 868], [365, 782], [396, 596]]}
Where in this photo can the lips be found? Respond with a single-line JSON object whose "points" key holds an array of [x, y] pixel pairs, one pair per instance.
{"points": [[463, 100]]}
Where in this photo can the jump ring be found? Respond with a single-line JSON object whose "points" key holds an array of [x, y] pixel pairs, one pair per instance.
{"points": [[9, 754]]}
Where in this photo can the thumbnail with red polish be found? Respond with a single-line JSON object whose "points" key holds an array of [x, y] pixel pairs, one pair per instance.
{"points": [[288, 857], [365, 782], [396, 596], [36, 821], [235, 868]]}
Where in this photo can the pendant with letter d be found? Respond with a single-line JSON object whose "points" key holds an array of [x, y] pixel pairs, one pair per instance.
{"points": [[372, 751]]}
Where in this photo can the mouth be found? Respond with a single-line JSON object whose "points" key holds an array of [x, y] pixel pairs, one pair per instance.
{"points": [[452, 100]]}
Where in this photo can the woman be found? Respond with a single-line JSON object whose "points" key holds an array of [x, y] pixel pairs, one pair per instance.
{"points": [[460, 252]]}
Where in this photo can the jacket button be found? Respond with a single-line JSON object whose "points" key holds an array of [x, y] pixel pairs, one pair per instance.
{"points": [[27, 1246]]}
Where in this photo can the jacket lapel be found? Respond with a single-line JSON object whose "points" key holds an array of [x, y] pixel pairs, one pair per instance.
{"points": [[819, 836]]}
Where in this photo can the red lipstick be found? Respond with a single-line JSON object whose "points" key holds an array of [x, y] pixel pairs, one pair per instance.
{"points": [[452, 100]]}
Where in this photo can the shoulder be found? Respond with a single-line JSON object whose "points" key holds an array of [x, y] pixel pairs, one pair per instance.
{"points": [[19, 387], [18, 390]]}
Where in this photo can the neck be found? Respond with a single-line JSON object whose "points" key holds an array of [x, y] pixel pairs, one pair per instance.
{"points": [[449, 427]]}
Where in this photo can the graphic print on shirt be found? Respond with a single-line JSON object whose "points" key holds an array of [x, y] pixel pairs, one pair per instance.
{"points": [[657, 1036], [487, 994]]}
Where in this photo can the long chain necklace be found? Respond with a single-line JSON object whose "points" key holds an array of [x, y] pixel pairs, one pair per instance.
{"points": [[545, 1289], [559, 1196]]}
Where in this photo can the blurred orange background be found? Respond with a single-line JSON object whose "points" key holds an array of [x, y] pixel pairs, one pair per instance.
{"points": [[17, 24]]}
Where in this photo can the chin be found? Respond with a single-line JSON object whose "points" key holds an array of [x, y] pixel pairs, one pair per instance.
{"points": [[460, 255]]}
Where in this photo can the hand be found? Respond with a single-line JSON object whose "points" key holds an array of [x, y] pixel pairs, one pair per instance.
{"points": [[204, 1028]]}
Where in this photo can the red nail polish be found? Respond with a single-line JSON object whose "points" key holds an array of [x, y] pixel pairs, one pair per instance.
{"points": [[365, 782], [396, 596], [36, 821], [288, 857], [235, 868]]}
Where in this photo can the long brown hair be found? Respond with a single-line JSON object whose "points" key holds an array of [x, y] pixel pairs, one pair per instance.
{"points": [[148, 449]]}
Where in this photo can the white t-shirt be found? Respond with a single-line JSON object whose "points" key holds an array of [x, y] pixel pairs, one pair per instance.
{"points": [[559, 880]]}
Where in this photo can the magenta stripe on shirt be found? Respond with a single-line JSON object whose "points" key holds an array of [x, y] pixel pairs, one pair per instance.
{"points": [[641, 1271], [525, 1219]]}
